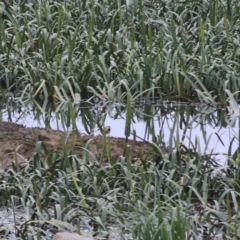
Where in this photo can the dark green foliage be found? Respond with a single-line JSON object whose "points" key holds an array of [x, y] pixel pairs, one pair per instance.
{"points": [[176, 47]]}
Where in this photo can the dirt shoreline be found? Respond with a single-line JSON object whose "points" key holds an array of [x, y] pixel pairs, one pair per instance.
{"points": [[19, 141]]}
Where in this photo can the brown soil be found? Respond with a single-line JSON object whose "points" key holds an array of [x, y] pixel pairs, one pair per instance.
{"points": [[18, 142]]}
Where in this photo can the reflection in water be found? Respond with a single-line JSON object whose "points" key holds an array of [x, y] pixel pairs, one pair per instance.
{"points": [[200, 127]]}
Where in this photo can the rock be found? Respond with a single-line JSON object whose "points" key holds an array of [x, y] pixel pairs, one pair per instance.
{"points": [[70, 236]]}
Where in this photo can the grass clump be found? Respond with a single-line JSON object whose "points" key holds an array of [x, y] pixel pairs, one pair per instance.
{"points": [[168, 198], [183, 50]]}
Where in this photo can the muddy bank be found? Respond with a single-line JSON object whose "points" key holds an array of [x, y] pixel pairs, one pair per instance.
{"points": [[19, 142]]}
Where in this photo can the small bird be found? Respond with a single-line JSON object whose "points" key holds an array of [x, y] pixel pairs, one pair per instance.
{"points": [[106, 130]]}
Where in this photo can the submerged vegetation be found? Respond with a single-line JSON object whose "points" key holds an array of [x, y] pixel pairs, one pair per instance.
{"points": [[121, 55]]}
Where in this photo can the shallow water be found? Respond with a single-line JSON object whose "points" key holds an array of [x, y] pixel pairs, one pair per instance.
{"points": [[203, 132]]}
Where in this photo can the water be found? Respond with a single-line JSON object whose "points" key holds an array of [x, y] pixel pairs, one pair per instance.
{"points": [[200, 128]]}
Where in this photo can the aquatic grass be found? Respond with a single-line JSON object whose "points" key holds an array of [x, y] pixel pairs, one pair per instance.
{"points": [[87, 194], [171, 227], [121, 184], [179, 191], [158, 48]]}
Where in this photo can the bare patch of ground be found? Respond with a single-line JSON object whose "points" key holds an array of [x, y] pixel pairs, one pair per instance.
{"points": [[18, 143]]}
